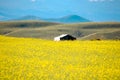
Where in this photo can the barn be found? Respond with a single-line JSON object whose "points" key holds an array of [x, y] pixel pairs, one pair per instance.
{"points": [[64, 37]]}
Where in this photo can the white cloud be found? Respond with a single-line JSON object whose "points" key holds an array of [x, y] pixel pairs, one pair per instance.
{"points": [[93, 0], [111, 0], [33, 0], [102, 0], [99, 0]]}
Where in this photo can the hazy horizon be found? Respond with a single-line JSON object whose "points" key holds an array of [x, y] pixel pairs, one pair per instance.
{"points": [[94, 10]]}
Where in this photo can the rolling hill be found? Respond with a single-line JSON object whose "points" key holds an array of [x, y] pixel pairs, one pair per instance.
{"points": [[48, 30], [10, 26]]}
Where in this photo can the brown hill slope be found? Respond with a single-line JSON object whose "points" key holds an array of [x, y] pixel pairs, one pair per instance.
{"points": [[108, 30], [11, 26]]}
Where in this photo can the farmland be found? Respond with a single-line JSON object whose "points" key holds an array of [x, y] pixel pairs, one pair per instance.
{"points": [[38, 59]]}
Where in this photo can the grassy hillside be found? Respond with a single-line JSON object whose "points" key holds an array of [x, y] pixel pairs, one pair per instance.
{"points": [[25, 24], [36, 59], [111, 35], [6, 27], [80, 30]]}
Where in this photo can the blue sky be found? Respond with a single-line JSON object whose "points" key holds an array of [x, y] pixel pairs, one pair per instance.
{"points": [[95, 10]]}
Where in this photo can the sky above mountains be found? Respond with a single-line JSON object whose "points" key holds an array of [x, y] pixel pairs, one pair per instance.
{"points": [[95, 10]]}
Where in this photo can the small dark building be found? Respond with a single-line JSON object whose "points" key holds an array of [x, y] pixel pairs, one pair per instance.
{"points": [[96, 39], [64, 37]]}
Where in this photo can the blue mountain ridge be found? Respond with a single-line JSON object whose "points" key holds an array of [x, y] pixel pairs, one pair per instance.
{"points": [[65, 19]]}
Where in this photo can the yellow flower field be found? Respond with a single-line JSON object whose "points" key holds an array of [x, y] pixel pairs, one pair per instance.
{"points": [[36, 59]]}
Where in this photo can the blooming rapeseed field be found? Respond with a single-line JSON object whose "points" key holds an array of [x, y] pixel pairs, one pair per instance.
{"points": [[36, 59]]}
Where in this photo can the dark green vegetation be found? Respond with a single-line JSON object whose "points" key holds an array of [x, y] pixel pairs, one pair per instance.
{"points": [[48, 30]]}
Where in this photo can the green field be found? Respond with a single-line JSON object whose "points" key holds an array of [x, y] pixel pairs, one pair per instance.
{"points": [[37, 59]]}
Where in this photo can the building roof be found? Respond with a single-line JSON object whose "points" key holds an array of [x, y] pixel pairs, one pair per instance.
{"points": [[63, 35]]}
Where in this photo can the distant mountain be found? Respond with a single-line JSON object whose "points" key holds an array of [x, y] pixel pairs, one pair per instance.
{"points": [[69, 19], [29, 17], [6, 16], [66, 19], [3, 16]]}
